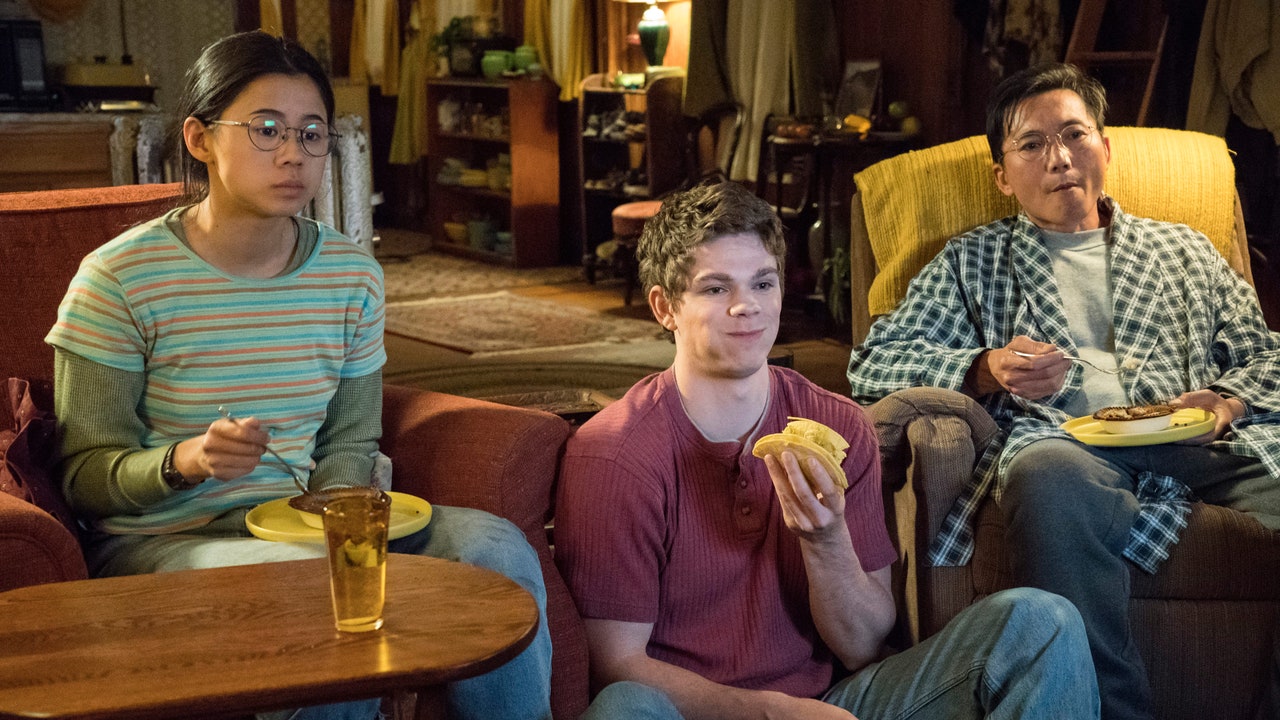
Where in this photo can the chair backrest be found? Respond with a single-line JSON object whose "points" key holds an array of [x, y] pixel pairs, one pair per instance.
{"points": [[710, 139], [43, 237], [907, 207]]}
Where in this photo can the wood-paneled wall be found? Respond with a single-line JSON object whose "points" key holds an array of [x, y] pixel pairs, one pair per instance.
{"points": [[927, 60]]}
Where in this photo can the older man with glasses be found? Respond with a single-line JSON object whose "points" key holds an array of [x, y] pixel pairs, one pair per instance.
{"points": [[998, 311]]}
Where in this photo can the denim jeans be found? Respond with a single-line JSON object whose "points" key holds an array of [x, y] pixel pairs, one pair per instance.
{"points": [[1019, 653], [519, 690], [1068, 509]]}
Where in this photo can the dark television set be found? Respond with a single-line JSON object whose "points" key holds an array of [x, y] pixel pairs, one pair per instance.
{"points": [[23, 82]]}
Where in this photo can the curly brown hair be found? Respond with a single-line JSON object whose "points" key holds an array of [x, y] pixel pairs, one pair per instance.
{"points": [[695, 217]]}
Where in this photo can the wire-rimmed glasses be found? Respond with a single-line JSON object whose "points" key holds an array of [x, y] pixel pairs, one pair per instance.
{"points": [[268, 135], [1034, 145]]}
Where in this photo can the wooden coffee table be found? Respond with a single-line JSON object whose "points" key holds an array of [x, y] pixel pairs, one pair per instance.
{"points": [[233, 641]]}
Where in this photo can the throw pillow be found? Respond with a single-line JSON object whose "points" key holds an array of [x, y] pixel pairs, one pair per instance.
{"points": [[28, 447]]}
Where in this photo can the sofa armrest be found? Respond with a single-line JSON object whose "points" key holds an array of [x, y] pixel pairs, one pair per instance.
{"points": [[461, 451], [464, 452], [930, 439], [34, 547]]}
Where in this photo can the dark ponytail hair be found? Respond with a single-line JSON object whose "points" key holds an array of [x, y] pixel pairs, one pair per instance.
{"points": [[217, 78]]}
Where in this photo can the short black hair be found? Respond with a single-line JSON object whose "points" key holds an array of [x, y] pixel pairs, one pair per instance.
{"points": [[1037, 80]]}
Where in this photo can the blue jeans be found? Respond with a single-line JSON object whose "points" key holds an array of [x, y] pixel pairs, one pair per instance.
{"points": [[519, 690], [1068, 509], [1020, 653]]}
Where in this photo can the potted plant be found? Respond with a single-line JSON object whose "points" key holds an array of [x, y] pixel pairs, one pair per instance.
{"points": [[456, 43]]}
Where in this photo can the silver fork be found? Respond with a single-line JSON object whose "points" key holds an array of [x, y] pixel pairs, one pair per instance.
{"points": [[1073, 358], [280, 461]]}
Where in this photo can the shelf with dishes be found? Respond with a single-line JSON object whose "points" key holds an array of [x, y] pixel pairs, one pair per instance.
{"points": [[502, 140], [493, 169]]}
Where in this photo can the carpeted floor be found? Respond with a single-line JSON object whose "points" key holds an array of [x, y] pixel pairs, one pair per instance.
{"points": [[432, 275], [469, 328], [591, 367], [502, 321]]}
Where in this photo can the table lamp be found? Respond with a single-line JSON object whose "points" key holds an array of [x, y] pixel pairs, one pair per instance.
{"points": [[653, 31]]}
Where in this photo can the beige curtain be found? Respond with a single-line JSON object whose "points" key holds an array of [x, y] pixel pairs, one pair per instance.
{"points": [[775, 58], [1237, 68], [375, 44], [761, 80], [58, 11]]}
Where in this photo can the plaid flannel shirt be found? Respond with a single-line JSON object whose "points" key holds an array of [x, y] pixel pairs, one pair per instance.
{"points": [[1182, 318]]}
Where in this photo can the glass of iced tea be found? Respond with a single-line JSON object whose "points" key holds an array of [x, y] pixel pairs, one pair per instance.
{"points": [[355, 530]]}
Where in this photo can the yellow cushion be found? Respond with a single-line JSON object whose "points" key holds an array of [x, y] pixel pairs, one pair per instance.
{"points": [[914, 203]]}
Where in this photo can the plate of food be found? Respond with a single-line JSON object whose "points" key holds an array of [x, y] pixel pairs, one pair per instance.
{"points": [[276, 520], [1137, 425]]}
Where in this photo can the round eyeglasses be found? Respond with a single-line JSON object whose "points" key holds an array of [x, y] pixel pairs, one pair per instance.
{"points": [[267, 135], [1033, 146]]}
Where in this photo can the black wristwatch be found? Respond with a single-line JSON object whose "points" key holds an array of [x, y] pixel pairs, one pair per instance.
{"points": [[172, 477]]}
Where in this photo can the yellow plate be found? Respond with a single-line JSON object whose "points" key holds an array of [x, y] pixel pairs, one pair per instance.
{"points": [[275, 520], [1186, 423]]}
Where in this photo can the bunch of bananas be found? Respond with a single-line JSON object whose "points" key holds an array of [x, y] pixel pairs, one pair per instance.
{"points": [[857, 124]]}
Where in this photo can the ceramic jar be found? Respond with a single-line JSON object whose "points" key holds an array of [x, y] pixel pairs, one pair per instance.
{"points": [[495, 62], [480, 233], [525, 56]]}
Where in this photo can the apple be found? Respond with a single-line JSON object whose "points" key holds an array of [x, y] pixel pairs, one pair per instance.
{"points": [[899, 109], [910, 125]]}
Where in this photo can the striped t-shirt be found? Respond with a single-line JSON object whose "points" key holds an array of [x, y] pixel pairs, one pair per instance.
{"points": [[273, 349]]}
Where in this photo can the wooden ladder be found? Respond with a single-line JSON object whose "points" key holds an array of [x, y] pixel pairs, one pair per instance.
{"points": [[1084, 36]]}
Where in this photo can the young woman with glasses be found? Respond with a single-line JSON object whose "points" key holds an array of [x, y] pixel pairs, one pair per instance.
{"points": [[232, 300]]}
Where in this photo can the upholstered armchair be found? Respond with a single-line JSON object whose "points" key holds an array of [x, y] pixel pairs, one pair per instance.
{"points": [[1204, 621], [448, 449]]}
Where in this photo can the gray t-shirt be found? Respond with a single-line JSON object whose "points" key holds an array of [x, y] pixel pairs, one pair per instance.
{"points": [[1081, 265]]}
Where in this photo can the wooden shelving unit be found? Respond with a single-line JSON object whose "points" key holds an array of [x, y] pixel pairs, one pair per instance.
{"points": [[496, 117], [654, 154]]}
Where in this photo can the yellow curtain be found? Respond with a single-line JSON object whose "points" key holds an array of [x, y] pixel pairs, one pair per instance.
{"points": [[269, 12], [391, 48], [358, 69], [564, 57], [409, 137], [387, 44]]}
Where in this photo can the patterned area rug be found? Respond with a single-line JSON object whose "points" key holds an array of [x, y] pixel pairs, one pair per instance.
{"points": [[501, 322], [432, 275], [537, 384]]}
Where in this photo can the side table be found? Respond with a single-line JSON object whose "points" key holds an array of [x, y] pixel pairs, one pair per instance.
{"points": [[233, 641]]}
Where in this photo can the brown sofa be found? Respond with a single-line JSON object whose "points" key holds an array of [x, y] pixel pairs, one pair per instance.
{"points": [[447, 449], [1204, 622]]}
